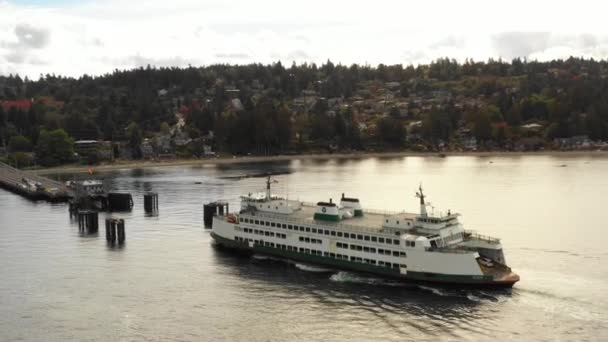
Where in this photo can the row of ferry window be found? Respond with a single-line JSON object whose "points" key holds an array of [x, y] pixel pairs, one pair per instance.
{"points": [[310, 240], [338, 244], [322, 231], [265, 233], [317, 252], [371, 250]]}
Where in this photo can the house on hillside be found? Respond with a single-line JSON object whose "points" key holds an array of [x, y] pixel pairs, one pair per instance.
{"points": [[470, 144], [309, 93], [147, 150], [393, 85], [237, 105], [94, 150], [529, 144], [233, 93], [86, 147], [533, 127], [575, 142], [49, 101], [22, 105], [181, 138]]}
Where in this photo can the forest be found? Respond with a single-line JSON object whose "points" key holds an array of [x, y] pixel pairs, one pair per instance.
{"points": [[271, 109]]}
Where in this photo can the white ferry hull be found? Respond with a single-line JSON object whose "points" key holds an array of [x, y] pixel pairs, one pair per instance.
{"points": [[418, 266]]}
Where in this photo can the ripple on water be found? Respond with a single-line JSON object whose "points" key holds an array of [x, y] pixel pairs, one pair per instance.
{"points": [[168, 282]]}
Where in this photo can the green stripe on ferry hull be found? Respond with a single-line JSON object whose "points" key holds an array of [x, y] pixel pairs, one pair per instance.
{"points": [[361, 267], [326, 217], [449, 278]]}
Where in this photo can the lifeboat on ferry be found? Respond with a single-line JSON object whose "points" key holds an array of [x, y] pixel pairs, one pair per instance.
{"points": [[231, 219]]}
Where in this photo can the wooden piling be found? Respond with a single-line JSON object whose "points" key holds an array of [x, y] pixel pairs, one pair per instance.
{"points": [[120, 231], [115, 230], [88, 221], [151, 202], [213, 209]]}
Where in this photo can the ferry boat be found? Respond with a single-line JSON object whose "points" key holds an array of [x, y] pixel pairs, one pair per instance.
{"points": [[420, 247]]}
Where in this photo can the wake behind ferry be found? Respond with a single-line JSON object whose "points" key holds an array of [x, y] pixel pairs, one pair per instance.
{"points": [[418, 247]]}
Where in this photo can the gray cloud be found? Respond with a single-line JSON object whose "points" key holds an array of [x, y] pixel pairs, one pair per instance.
{"points": [[15, 57], [520, 44], [97, 42], [29, 38], [525, 44], [236, 55], [449, 41], [282, 26], [137, 61], [32, 37], [588, 40], [298, 54], [414, 56]]}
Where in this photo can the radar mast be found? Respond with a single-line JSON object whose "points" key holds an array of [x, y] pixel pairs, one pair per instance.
{"points": [[420, 195]]}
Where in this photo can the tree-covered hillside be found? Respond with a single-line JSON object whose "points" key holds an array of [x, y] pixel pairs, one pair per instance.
{"points": [[265, 109]]}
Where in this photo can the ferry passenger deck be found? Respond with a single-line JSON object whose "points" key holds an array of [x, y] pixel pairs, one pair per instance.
{"points": [[370, 222]]}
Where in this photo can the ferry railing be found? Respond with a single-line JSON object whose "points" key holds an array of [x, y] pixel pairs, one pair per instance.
{"points": [[453, 250], [383, 212], [471, 234], [314, 223], [365, 211]]}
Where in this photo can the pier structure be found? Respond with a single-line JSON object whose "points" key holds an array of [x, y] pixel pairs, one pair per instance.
{"points": [[120, 201], [32, 186]]}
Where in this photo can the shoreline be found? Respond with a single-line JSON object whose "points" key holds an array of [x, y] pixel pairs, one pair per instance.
{"points": [[137, 164]]}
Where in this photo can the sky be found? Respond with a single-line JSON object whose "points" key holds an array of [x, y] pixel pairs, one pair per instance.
{"points": [[94, 37]]}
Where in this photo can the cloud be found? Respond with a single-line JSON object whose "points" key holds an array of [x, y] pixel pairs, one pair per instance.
{"points": [[546, 45], [520, 44], [449, 41], [32, 37], [237, 55], [97, 36], [142, 61], [298, 54], [15, 57], [23, 46]]}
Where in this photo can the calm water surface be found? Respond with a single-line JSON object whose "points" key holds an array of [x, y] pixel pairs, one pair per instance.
{"points": [[170, 283]]}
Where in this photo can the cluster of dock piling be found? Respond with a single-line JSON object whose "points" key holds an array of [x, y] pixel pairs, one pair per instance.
{"points": [[84, 206], [88, 220], [213, 208], [151, 202], [115, 230]]}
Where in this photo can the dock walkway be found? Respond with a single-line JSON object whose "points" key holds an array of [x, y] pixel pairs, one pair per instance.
{"points": [[33, 186]]}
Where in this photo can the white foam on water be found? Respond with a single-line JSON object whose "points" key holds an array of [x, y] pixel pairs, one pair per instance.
{"points": [[310, 268], [434, 290], [266, 257], [349, 277], [473, 297]]}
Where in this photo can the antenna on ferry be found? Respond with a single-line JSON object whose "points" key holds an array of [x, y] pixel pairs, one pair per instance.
{"points": [[268, 181], [420, 195]]}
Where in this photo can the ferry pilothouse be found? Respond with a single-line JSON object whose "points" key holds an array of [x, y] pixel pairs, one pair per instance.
{"points": [[418, 247]]}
